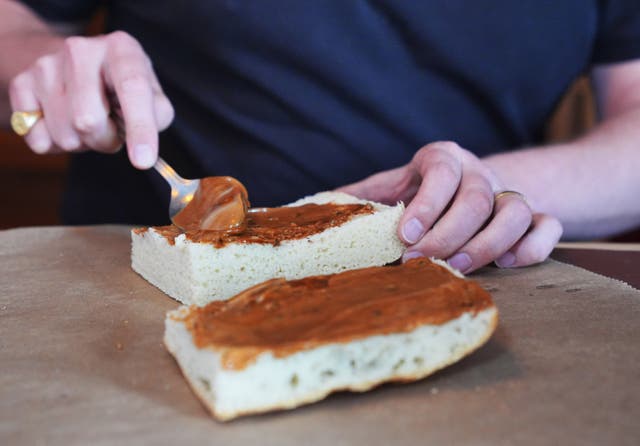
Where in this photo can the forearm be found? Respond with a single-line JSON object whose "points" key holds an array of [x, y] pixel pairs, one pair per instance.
{"points": [[592, 184], [23, 38]]}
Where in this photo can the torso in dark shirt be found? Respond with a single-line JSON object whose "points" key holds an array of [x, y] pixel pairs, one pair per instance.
{"points": [[292, 97]]}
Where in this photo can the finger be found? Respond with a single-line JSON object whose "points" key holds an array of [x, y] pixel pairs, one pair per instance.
{"points": [[536, 245], [472, 206], [512, 218], [163, 108], [387, 187], [163, 111], [49, 86], [128, 73], [23, 98], [441, 173], [85, 90]]}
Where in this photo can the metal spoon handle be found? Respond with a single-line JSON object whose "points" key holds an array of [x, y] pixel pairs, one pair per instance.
{"points": [[175, 180], [182, 189]]}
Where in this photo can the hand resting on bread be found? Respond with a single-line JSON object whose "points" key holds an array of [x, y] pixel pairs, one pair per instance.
{"points": [[454, 211]]}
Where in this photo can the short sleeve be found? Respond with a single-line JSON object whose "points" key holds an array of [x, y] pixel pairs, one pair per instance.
{"points": [[618, 37], [64, 11]]}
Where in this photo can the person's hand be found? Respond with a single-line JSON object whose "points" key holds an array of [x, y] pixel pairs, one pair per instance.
{"points": [[84, 88], [452, 211]]}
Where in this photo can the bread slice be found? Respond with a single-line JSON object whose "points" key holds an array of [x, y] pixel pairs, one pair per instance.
{"points": [[313, 361], [197, 273]]}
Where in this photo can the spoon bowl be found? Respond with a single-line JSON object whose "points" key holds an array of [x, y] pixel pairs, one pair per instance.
{"points": [[210, 203]]}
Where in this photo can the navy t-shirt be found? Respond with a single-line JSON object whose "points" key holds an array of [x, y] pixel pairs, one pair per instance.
{"points": [[292, 97]]}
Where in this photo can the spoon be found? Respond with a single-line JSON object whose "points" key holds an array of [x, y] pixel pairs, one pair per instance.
{"points": [[182, 189], [211, 203]]}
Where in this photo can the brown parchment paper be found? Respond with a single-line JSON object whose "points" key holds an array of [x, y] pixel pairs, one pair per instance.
{"points": [[82, 362]]}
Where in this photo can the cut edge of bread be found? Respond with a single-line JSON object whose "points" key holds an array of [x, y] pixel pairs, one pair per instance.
{"points": [[357, 365], [198, 273]]}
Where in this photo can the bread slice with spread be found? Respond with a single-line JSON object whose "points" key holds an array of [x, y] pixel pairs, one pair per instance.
{"points": [[325, 233], [282, 343]]}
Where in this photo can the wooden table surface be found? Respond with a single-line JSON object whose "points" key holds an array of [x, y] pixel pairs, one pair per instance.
{"points": [[82, 360]]}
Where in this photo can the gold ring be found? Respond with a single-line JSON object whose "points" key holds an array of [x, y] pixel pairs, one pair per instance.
{"points": [[23, 121], [506, 193]]}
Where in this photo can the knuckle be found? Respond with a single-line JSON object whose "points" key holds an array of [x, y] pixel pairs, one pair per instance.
{"points": [[86, 123], [122, 44], [520, 213], [44, 64], [75, 46], [433, 159], [133, 83], [45, 73], [437, 245], [478, 202], [430, 150], [120, 38], [444, 170], [19, 83], [422, 210], [447, 146], [483, 252], [141, 127], [420, 155], [144, 132]]}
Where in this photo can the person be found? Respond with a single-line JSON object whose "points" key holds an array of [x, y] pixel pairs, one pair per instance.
{"points": [[440, 104]]}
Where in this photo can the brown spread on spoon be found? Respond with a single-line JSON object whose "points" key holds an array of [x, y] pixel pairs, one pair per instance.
{"points": [[284, 317], [219, 204]]}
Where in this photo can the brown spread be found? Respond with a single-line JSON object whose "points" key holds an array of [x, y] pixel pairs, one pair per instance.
{"points": [[284, 317], [219, 204], [273, 225]]}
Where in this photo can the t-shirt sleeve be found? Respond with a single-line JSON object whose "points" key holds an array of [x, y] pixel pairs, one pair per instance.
{"points": [[618, 37], [63, 11]]}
